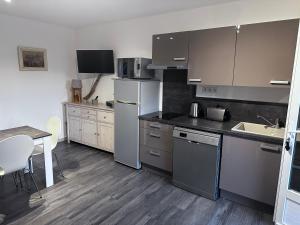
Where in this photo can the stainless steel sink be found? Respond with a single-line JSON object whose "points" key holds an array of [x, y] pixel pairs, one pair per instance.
{"points": [[259, 129]]}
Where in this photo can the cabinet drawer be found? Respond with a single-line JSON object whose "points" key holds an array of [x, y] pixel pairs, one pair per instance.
{"points": [[106, 117], [156, 158], [89, 117], [156, 126], [74, 111], [156, 139], [88, 114], [85, 112]]}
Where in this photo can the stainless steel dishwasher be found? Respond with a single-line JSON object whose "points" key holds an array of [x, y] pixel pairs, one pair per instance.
{"points": [[196, 161]]}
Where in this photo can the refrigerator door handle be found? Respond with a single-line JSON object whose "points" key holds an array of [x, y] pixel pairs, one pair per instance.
{"points": [[126, 102]]}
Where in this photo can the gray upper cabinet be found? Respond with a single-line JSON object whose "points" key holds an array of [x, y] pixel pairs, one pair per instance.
{"points": [[211, 56], [170, 49], [265, 53]]}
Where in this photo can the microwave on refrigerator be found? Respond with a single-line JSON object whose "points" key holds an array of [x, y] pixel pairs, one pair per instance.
{"points": [[134, 68]]}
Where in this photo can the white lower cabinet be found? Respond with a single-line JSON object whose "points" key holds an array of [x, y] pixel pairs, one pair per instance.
{"points": [[89, 132], [74, 128], [106, 136], [91, 126]]}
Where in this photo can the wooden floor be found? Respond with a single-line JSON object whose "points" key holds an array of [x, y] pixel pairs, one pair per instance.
{"points": [[98, 190]]}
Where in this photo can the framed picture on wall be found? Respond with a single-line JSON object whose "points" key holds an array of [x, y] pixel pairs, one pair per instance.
{"points": [[32, 59]]}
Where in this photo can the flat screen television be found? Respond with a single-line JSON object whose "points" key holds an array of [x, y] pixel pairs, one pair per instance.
{"points": [[95, 61]]}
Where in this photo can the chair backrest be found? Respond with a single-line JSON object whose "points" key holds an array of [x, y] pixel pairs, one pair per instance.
{"points": [[1, 171], [54, 128], [14, 152]]}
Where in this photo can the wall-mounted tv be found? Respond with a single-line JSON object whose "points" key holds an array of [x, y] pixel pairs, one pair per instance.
{"points": [[95, 61]]}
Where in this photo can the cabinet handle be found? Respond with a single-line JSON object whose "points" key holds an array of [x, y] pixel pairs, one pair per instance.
{"points": [[275, 149], [154, 153], [193, 142], [154, 126], [104, 117], [95, 134], [195, 80], [287, 144], [154, 135], [126, 102], [179, 59], [280, 82]]}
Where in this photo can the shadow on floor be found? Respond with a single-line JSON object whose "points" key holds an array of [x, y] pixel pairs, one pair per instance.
{"points": [[17, 202]]}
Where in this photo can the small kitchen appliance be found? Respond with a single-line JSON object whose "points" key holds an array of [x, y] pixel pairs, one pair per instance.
{"points": [[134, 68], [217, 114], [195, 110]]}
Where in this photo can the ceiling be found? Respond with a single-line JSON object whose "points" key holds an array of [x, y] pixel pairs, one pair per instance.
{"points": [[79, 13]]}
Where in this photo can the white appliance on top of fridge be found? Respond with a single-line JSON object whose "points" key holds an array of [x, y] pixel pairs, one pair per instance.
{"points": [[132, 99]]}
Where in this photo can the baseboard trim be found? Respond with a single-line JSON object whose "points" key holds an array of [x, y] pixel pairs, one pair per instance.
{"points": [[62, 139], [247, 202]]}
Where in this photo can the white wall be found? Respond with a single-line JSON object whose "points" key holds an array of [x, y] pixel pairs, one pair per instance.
{"points": [[29, 98], [133, 37]]}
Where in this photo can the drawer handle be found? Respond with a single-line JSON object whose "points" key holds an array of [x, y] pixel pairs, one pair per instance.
{"points": [[269, 148], [280, 82], [179, 59], [154, 135], [193, 142], [154, 153], [155, 126], [195, 80], [104, 117]]}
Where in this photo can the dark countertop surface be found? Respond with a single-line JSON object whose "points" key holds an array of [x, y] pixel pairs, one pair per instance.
{"points": [[210, 126]]}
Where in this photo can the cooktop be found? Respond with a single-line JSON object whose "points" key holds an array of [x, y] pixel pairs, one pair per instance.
{"points": [[169, 116]]}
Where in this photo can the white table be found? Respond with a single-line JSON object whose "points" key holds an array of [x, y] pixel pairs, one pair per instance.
{"points": [[39, 137]]}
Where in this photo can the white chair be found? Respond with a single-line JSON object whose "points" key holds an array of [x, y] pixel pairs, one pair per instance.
{"points": [[14, 154], [1, 171], [53, 127]]}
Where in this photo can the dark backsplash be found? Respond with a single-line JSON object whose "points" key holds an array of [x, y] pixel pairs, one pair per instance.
{"points": [[178, 96]]}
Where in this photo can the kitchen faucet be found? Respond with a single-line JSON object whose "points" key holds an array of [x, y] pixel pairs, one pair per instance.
{"points": [[276, 125]]}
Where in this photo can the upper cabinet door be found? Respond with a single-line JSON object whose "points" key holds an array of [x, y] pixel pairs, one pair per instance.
{"points": [[170, 49], [211, 56], [265, 53]]}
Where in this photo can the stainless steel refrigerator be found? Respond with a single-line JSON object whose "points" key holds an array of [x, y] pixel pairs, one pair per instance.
{"points": [[132, 99]]}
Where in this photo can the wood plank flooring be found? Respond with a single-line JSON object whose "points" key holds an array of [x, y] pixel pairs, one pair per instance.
{"points": [[97, 190]]}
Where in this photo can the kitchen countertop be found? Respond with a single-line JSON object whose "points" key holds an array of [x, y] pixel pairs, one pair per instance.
{"points": [[98, 106], [210, 126]]}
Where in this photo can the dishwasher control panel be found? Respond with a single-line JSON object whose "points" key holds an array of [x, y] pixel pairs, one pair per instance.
{"points": [[197, 136]]}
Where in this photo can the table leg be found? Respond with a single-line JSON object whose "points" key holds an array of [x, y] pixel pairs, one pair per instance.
{"points": [[48, 162]]}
